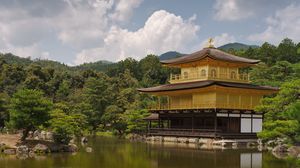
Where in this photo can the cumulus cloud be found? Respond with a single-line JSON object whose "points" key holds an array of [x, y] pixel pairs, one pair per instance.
{"points": [[163, 31], [219, 40], [284, 23], [78, 24], [23, 30], [232, 9], [83, 23], [123, 9], [32, 51]]}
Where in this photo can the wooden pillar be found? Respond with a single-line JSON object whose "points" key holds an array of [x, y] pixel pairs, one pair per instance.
{"points": [[215, 123], [193, 122], [168, 99], [159, 106], [228, 122], [159, 123]]}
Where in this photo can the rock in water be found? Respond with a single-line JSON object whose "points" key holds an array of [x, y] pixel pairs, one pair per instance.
{"points": [[23, 149], [41, 149], [84, 140], [72, 148], [294, 151], [280, 149], [9, 151], [36, 135], [30, 134], [88, 149], [43, 135], [49, 136]]}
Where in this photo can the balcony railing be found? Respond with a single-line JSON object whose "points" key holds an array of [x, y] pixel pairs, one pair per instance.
{"points": [[177, 78], [207, 105]]}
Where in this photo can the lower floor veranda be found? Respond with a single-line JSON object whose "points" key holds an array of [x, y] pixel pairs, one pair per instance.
{"points": [[208, 123]]}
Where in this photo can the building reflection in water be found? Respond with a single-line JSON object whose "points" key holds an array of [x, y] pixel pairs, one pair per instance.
{"points": [[176, 156], [251, 160]]}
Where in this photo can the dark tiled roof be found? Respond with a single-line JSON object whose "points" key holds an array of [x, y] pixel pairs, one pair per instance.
{"points": [[209, 52], [200, 84]]}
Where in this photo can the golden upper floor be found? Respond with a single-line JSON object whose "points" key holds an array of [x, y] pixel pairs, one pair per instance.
{"points": [[210, 78], [210, 64], [210, 72]]}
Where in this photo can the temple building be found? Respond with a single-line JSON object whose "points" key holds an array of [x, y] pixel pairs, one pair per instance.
{"points": [[211, 97]]}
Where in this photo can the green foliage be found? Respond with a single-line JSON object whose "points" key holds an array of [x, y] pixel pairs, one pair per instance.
{"points": [[63, 91], [113, 118], [3, 109], [97, 93], [282, 113], [275, 75], [280, 129], [29, 109], [66, 126], [105, 93], [135, 121]]}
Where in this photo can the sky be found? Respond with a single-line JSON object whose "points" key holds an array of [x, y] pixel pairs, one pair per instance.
{"points": [[82, 31]]}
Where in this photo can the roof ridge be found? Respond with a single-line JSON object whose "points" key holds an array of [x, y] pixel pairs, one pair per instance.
{"points": [[210, 52]]}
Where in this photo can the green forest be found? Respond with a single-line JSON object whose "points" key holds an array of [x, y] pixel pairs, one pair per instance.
{"points": [[103, 96]]}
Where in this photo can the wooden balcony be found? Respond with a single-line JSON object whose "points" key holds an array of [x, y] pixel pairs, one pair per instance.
{"points": [[190, 77], [208, 105]]}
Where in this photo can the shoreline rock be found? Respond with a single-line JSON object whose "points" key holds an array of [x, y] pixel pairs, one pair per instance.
{"points": [[36, 147], [40, 149]]}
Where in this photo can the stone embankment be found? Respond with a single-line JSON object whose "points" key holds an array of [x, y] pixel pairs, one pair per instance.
{"points": [[37, 143], [277, 147], [281, 150], [206, 142]]}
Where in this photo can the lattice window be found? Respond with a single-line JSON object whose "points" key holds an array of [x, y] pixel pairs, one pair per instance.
{"points": [[233, 75], [185, 75], [203, 73], [213, 73]]}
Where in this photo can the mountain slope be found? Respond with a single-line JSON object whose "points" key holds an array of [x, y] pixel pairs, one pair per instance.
{"points": [[170, 55], [236, 46]]}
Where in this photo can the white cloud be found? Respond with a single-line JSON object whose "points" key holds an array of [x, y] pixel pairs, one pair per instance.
{"points": [[285, 23], [219, 40], [83, 24], [23, 30], [123, 10], [32, 51], [79, 24], [20, 33], [232, 10], [163, 31]]}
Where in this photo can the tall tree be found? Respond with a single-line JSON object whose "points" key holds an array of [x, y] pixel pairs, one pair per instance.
{"points": [[282, 113], [3, 109], [98, 94], [29, 110], [287, 51], [267, 54]]}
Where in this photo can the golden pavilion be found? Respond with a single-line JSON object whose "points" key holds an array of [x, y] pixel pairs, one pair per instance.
{"points": [[211, 97]]}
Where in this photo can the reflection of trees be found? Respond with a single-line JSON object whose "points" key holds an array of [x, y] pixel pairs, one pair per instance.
{"points": [[269, 161], [114, 153]]}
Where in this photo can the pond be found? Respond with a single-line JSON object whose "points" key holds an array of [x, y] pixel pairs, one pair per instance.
{"points": [[116, 153]]}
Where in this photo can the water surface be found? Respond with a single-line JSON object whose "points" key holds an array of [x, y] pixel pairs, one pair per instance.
{"points": [[115, 153]]}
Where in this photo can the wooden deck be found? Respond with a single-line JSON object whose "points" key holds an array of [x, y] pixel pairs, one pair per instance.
{"points": [[200, 133]]}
